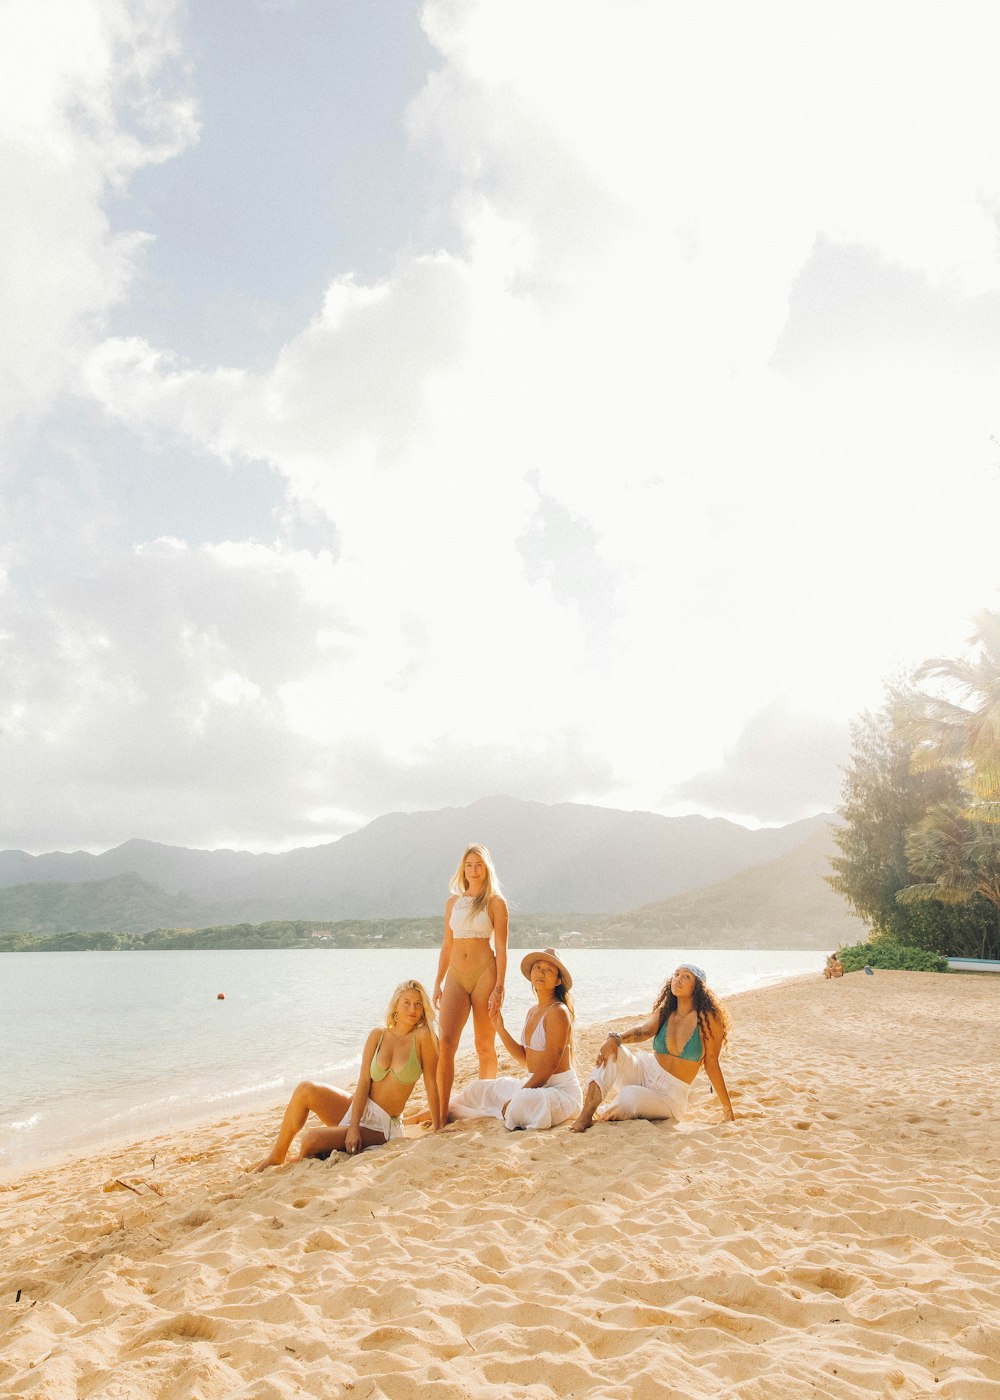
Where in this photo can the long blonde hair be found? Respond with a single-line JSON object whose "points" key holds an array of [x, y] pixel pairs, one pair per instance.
{"points": [[491, 885], [412, 985]]}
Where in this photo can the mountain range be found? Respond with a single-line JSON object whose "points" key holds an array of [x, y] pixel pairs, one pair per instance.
{"points": [[565, 867], [785, 903], [561, 858]]}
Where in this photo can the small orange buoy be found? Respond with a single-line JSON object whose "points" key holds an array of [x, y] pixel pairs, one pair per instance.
{"points": [[221, 997]]}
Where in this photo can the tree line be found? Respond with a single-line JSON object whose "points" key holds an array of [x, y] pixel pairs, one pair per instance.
{"points": [[289, 933], [920, 840]]}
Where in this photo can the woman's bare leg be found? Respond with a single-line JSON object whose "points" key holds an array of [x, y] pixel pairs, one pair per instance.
{"points": [[482, 1025], [591, 1104], [455, 1007], [320, 1142], [328, 1104]]}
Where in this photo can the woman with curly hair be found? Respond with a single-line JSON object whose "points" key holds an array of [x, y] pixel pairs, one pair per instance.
{"points": [[395, 1056], [689, 1028]]}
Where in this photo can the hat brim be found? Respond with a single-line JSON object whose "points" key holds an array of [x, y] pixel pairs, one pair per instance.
{"points": [[549, 955]]}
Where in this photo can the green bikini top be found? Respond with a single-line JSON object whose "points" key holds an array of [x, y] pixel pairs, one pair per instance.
{"points": [[412, 1070], [692, 1050]]}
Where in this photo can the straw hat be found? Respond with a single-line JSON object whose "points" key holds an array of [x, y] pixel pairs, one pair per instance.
{"points": [[549, 954]]}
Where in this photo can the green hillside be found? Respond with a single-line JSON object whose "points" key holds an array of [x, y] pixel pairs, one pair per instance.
{"points": [[785, 903], [122, 903]]}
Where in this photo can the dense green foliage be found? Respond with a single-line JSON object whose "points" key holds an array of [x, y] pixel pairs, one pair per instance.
{"points": [[882, 800], [916, 863], [891, 956], [955, 855], [296, 933], [955, 722]]}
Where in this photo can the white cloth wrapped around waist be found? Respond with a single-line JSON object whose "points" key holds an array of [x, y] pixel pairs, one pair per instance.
{"points": [[375, 1117], [559, 1098]]}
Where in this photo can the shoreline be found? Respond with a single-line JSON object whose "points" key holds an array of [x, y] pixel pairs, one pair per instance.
{"points": [[167, 1113], [837, 1241]]}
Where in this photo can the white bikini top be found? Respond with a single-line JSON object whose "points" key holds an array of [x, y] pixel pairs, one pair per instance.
{"points": [[462, 926], [537, 1035]]}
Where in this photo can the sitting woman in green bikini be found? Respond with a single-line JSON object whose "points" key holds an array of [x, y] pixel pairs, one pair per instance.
{"points": [[689, 1028], [394, 1058]]}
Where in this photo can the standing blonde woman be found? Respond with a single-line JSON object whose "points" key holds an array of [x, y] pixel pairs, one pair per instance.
{"points": [[470, 973], [394, 1058]]}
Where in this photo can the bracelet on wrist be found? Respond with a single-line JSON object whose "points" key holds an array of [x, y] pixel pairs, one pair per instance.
{"points": [[613, 1035]]}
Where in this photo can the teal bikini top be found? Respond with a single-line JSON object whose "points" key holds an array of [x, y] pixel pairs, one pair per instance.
{"points": [[692, 1050], [412, 1070]]}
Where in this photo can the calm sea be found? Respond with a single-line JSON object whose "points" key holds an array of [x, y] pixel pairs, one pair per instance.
{"points": [[109, 1047]]}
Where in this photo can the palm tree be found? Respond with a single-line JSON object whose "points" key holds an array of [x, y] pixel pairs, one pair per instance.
{"points": [[956, 856], [959, 727]]}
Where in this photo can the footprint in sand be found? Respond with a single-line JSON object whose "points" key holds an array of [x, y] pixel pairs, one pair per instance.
{"points": [[193, 1327], [195, 1218]]}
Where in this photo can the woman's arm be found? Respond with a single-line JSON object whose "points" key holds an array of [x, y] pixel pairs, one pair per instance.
{"points": [[352, 1143], [499, 919], [427, 1051], [633, 1036], [445, 959], [512, 1046], [712, 1045], [557, 1031]]}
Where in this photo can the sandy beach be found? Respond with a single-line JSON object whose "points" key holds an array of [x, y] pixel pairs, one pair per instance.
{"points": [[840, 1239]]}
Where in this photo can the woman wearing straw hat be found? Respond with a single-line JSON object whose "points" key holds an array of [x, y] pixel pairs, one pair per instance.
{"points": [[689, 1028], [551, 1094]]}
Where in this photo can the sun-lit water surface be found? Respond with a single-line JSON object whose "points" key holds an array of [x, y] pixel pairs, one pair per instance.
{"points": [[111, 1046]]}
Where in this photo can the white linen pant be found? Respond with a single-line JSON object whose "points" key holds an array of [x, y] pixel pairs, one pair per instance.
{"points": [[553, 1103], [639, 1086]]}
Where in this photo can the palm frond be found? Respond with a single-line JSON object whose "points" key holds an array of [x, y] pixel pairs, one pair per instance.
{"points": [[945, 894]]}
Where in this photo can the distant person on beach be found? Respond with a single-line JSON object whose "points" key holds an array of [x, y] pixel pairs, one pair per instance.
{"points": [[834, 967], [689, 1028], [470, 974], [552, 1092], [394, 1058]]}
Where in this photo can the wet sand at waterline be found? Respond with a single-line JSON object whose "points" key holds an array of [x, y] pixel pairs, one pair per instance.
{"points": [[840, 1239]]}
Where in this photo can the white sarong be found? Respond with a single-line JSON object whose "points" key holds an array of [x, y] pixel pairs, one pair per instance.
{"points": [[376, 1119], [639, 1086], [558, 1099]]}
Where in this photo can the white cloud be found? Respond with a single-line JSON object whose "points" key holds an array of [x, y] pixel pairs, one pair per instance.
{"points": [[783, 766], [86, 98], [635, 191]]}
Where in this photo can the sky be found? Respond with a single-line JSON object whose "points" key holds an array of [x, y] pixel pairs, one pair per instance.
{"points": [[404, 403]]}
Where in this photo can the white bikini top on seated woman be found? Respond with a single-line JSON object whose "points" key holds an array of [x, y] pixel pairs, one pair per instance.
{"points": [[462, 926], [537, 1041]]}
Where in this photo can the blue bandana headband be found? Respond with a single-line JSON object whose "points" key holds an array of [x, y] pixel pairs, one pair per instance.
{"points": [[692, 967]]}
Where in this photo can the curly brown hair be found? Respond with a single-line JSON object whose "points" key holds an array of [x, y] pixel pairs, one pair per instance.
{"points": [[705, 1003]]}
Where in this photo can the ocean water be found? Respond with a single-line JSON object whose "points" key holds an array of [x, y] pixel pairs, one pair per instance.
{"points": [[111, 1047]]}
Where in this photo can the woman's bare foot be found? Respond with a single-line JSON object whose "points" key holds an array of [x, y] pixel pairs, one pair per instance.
{"points": [[590, 1106], [269, 1161]]}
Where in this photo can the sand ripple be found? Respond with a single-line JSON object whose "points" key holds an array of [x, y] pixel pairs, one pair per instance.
{"points": [[839, 1241]]}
